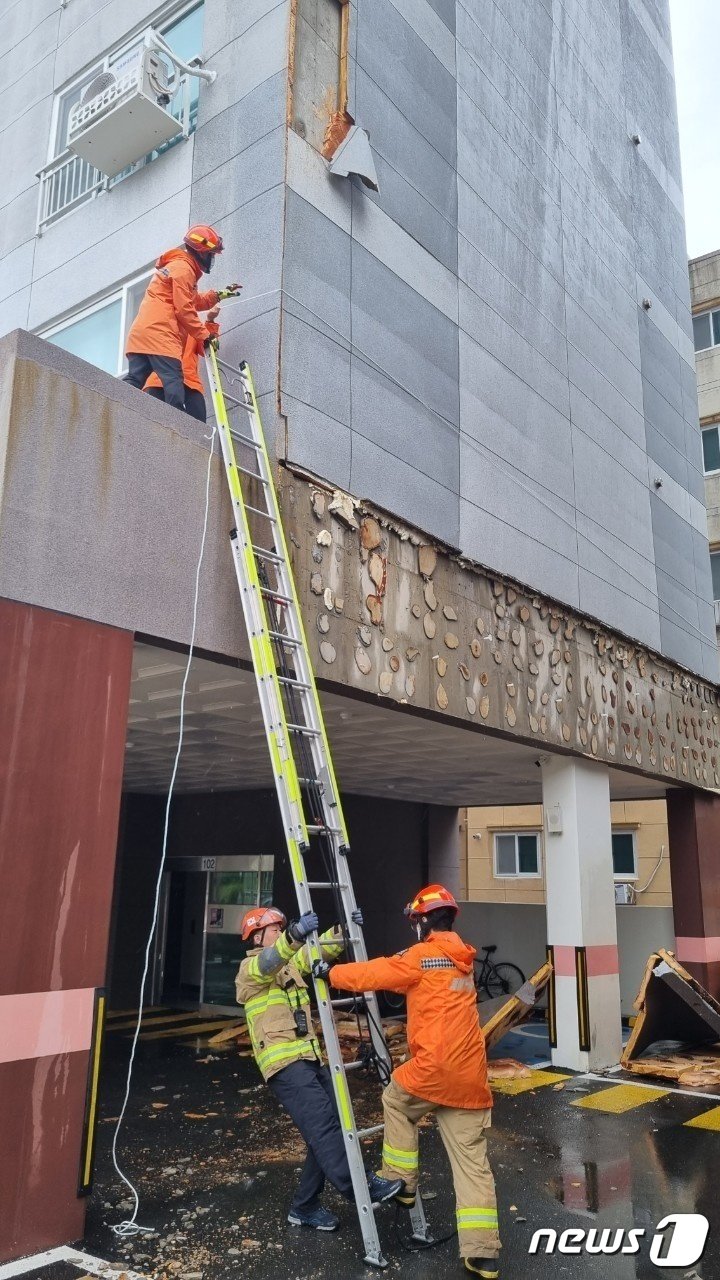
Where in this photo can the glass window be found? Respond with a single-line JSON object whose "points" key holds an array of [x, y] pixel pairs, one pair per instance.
{"points": [[517, 853], [701, 332], [711, 449], [65, 106], [623, 854], [505, 856], [715, 569], [716, 328], [95, 337], [98, 333]]}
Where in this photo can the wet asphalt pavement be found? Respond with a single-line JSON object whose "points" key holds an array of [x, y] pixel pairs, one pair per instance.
{"points": [[215, 1161]]}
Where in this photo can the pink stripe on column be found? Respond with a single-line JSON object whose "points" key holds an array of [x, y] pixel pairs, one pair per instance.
{"points": [[40, 1024], [601, 961], [564, 962], [698, 950]]}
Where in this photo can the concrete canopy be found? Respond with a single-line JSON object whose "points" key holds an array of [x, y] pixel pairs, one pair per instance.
{"points": [[378, 750]]}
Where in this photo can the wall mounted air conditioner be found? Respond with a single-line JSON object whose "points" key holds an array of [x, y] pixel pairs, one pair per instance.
{"points": [[123, 115], [624, 895]]}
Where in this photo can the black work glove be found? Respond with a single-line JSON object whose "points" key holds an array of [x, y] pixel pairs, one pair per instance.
{"points": [[320, 969], [301, 929], [211, 342]]}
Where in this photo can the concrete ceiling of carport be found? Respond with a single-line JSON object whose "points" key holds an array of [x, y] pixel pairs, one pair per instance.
{"points": [[378, 750]]}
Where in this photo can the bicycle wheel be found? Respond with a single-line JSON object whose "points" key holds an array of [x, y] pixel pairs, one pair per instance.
{"points": [[503, 980]]}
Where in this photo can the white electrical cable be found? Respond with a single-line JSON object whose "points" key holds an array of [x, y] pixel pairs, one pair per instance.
{"points": [[652, 877], [129, 1227]]}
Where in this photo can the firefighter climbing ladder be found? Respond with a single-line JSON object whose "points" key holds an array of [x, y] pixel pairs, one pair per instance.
{"points": [[295, 731]]}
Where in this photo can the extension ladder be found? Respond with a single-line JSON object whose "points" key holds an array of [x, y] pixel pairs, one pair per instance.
{"points": [[310, 807]]}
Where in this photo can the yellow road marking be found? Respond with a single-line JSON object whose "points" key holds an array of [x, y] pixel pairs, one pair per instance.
{"points": [[708, 1120], [155, 1022], [620, 1098], [536, 1080], [181, 1032]]}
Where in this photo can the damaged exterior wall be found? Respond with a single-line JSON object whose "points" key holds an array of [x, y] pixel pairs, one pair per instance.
{"points": [[392, 616], [497, 345]]}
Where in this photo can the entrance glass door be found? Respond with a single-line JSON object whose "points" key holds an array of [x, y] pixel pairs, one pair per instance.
{"points": [[231, 891], [198, 948]]}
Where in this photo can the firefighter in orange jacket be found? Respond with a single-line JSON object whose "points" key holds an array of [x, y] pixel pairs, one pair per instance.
{"points": [[168, 313], [192, 382], [447, 1070]]}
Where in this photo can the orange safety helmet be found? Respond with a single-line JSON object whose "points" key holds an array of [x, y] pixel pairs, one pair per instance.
{"points": [[430, 899], [259, 918], [203, 239]]}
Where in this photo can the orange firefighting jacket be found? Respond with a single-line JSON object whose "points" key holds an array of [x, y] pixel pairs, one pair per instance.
{"points": [[168, 313], [190, 363], [447, 1063]]}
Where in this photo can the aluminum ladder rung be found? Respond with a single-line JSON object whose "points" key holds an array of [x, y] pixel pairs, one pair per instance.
{"points": [[246, 440], [367, 1133], [304, 729], [252, 475], [344, 1003], [295, 684], [290, 641], [354, 1066], [317, 827], [265, 554], [270, 594], [324, 884], [257, 512]]}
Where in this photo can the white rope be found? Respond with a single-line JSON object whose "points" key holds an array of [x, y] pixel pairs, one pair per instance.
{"points": [[130, 1227]]}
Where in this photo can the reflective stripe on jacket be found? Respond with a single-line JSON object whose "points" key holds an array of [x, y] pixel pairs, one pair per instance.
{"points": [[447, 1063], [270, 1001], [168, 313]]}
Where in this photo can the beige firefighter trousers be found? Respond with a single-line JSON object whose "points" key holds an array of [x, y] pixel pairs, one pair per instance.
{"points": [[464, 1138]]}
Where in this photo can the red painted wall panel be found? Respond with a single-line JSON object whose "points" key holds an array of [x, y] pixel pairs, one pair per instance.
{"points": [[64, 691]]}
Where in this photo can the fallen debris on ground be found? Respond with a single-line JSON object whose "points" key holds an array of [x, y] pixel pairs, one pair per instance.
{"points": [[677, 1032]]}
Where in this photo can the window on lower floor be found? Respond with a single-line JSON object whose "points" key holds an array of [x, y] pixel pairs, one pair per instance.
{"points": [[715, 570], [319, 78], [706, 330], [623, 855], [517, 854], [711, 449], [97, 333]]}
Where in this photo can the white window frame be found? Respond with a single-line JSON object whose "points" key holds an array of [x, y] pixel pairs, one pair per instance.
{"points": [[710, 426], [118, 292], [627, 877], [709, 311], [517, 874]]}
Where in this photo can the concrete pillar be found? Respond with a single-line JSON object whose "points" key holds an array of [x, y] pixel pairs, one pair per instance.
{"points": [[694, 840], [444, 849], [581, 924], [64, 690]]}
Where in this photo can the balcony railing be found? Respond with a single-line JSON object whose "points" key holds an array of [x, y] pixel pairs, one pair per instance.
{"points": [[69, 181]]}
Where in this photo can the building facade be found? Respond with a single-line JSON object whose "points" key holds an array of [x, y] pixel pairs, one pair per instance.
{"points": [[478, 382]]}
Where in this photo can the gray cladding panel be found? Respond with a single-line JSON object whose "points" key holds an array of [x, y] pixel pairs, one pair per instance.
{"points": [[556, 400], [465, 347]]}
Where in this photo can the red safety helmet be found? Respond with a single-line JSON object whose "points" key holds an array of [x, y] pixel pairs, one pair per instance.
{"points": [[259, 918], [430, 899], [203, 239]]}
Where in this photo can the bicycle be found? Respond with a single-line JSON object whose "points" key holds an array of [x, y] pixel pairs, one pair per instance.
{"points": [[496, 979]]}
